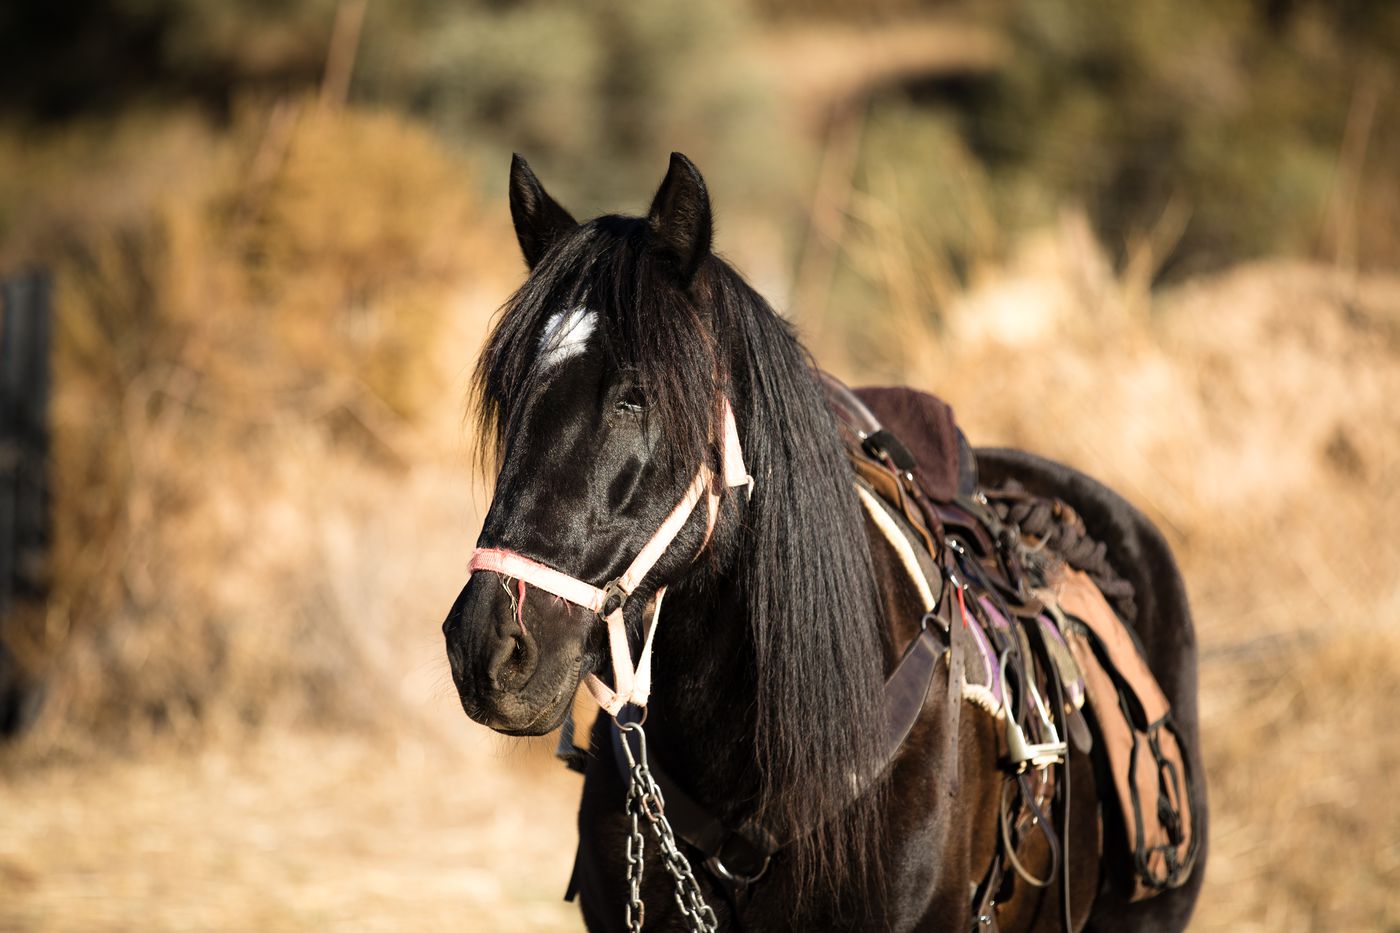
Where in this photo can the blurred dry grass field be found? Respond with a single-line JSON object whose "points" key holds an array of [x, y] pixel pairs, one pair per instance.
{"points": [[290, 833], [265, 508]]}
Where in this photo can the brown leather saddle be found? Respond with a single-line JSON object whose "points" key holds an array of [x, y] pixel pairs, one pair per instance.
{"points": [[1049, 622]]}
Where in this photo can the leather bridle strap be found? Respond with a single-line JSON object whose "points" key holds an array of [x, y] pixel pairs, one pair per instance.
{"points": [[632, 683]]}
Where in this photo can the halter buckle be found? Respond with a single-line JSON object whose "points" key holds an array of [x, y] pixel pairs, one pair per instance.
{"points": [[614, 597]]}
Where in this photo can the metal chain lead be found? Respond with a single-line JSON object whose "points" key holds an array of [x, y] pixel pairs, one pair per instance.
{"points": [[644, 800], [636, 851]]}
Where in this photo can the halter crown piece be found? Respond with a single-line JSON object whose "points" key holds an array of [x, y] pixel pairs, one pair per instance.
{"points": [[633, 682]]}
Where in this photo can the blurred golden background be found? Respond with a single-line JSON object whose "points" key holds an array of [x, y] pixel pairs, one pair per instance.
{"points": [[1157, 240]]}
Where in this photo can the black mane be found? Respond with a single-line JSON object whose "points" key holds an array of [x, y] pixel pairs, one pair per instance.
{"points": [[802, 560]]}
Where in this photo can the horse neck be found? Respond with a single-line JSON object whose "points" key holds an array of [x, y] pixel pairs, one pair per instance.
{"points": [[704, 693]]}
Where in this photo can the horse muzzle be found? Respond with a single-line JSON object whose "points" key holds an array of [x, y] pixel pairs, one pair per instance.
{"points": [[516, 659]]}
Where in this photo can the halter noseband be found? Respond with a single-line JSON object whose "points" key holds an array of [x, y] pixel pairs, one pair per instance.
{"points": [[633, 683]]}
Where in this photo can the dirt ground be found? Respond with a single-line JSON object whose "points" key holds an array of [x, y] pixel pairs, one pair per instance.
{"points": [[1264, 441], [293, 833]]}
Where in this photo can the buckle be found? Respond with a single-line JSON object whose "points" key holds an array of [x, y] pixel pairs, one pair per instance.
{"points": [[613, 591]]}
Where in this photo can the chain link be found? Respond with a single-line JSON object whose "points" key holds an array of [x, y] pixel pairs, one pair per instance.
{"points": [[644, 801], [636, 850]]}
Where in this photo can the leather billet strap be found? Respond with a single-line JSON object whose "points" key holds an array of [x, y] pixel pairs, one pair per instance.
{"points": [[632, 683]]}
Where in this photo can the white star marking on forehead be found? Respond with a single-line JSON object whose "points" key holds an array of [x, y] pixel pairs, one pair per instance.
{"points": [[566, 335]]}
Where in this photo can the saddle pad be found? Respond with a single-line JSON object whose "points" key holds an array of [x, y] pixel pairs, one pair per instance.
{"points": [[926, 426]]}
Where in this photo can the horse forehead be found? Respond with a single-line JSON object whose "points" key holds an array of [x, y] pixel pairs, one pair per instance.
{"points": [[566, 335]]}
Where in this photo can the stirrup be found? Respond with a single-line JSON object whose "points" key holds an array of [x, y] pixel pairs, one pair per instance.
{"points": [[1019, 752], [1035, 754]]}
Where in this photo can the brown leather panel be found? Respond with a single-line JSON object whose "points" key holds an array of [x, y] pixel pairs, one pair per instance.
{"points": [[958, 520], [1130, 757], [1078, 596], [890, 488]]}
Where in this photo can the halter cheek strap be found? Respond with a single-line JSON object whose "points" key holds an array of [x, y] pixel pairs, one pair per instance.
{"points": [[633, 683]]}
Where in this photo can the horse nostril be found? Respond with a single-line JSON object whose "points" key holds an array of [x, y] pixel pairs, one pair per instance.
{"points": [[514, 662]]}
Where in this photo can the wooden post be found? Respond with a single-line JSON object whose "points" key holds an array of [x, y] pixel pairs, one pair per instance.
{"points": [[26, 328]]}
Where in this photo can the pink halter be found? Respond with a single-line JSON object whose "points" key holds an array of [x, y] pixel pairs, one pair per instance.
{"points": [[633, 683]]}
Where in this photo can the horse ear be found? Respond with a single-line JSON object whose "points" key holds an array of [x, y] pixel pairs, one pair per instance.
{"points": [[680, 216], [539, 220]]}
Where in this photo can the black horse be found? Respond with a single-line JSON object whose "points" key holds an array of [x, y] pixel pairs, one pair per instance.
{"points": [[602, 388]]}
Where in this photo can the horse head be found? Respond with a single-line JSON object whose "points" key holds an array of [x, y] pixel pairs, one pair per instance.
{"points": [[600, 428]]}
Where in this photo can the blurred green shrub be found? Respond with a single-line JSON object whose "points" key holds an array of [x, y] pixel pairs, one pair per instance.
{"points": [[1274, 126], [1269, 125], [597, 92]]}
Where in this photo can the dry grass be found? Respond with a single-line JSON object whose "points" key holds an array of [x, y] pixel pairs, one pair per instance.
{"points": [[240, 349]]}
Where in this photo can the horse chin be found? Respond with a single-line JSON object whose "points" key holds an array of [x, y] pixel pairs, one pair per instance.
{"points": [[516, 716], [544, 726]]}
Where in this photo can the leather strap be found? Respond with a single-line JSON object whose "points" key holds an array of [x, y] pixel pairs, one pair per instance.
{"points": [[906, 690], [738, 856], [984, 915], [744, 852]]}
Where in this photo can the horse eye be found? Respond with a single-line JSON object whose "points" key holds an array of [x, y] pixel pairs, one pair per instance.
{"points": [[632, 401]]}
